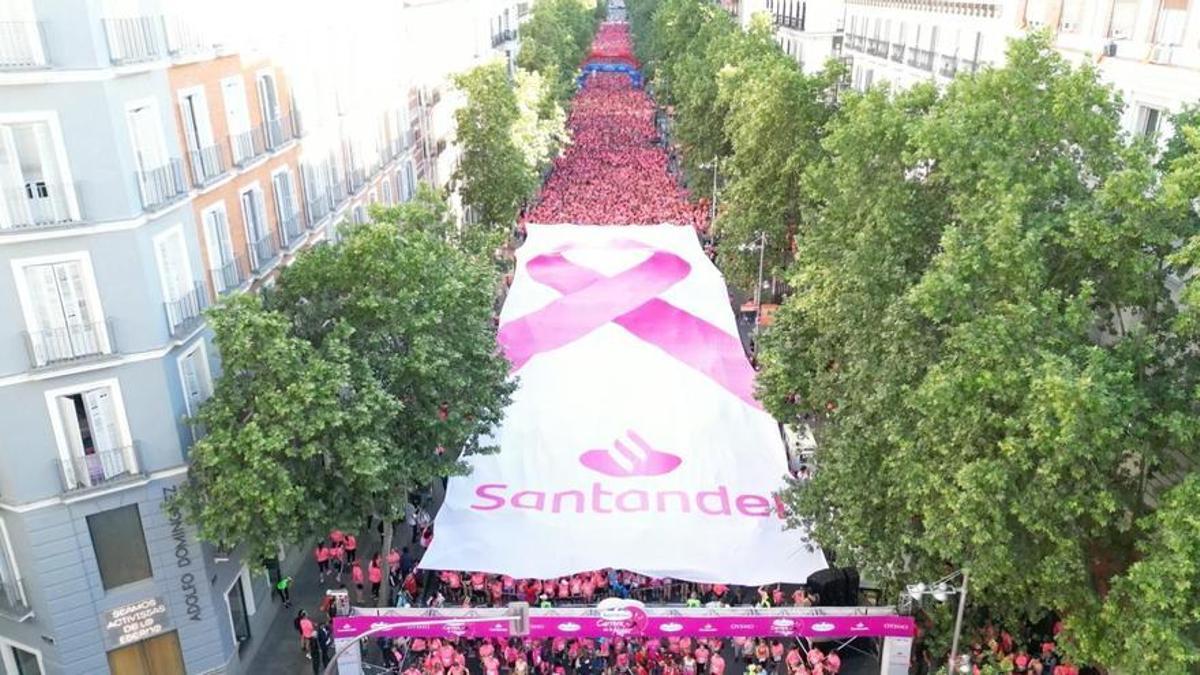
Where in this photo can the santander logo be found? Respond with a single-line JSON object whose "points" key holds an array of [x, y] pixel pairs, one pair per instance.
{"points": [[630, 458], [634, 459]]}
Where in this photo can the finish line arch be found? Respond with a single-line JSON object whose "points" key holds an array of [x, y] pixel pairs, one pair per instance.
{"points": [[634, 620]]}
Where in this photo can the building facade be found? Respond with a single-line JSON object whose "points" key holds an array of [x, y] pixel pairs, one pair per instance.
{"points": [[1148, 50], [152, 161]]}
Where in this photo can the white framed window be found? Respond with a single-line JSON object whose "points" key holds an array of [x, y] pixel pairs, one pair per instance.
{"points": [[239, 601], [237, 117], [1072, 16], [11, 588], [92, 432], [219, 245], [193, 111], [359, 215], [1124, 19], [146, 135], [19, 658], [1149, 120], [254, 217], [386, 186], [287, 204], [195, 376], [268, 104], [373, 197], [1036, 12], [61, 307], [1171, 22], [174, 274], [36, 187]]}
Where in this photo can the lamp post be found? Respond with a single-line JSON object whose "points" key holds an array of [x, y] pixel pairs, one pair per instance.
{"points": [[760, 243], [714, 165], [940, 591]]}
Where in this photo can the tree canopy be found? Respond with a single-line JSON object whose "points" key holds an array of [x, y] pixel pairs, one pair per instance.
{"points": [[991, 322]]}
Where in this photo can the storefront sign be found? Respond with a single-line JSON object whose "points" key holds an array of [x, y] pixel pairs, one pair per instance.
{"points": [[183, 560], [135, 622]]}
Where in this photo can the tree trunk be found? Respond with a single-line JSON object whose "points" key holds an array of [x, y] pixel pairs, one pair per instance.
{"points": [[385, 588]]}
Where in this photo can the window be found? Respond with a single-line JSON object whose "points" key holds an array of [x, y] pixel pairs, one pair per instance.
{"points": [[1036, 12], [12, 593], [359, 215], [237, 117], [196, 377], [268, 102], [372, 197], [1124, 19], [1072, 15], [62, 310], [1148, 121], [197, 130], [94, 444], [287, 210], [225, 274], [175, 277], [1171, 21], [145, 132], [160, 655], [386, 185], [239, 617], [120, 546], [258, 233], [18, 659], [34, 185]]}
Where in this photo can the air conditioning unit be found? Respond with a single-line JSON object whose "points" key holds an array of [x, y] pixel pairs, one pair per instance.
{"points": [[1110, 49]]}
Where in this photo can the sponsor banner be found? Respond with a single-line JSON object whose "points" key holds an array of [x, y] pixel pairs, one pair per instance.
{"points": [[633, 440], [637, 623]]}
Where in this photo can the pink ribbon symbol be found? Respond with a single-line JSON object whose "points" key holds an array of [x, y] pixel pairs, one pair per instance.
{"points": [[630, 300]]}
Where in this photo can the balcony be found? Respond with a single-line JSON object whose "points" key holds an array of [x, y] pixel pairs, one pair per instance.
{"points": [[856, 42], [23, 45], [793, 22], [70, 344], [134, 39], [357, 179], [187, 311], [208, 164], [292, 225], [920, 58], [161, 185], [337, 194], [877, 47], [183, 39], [12, 600], [503, 36], [36, 204], [280, 132], [317, 205], [898, 52], [102, 467], [948, 65], [248, 146], [230, 276], [266, 250]]}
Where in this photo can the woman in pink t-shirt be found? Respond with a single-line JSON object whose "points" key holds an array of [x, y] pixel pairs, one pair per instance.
{"points": [[356, 578], [375, 576], [716, 665]]}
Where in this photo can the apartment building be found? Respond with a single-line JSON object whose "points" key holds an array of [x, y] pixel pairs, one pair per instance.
{"points": [[1148, 50], [153, 160], [809, 32]]}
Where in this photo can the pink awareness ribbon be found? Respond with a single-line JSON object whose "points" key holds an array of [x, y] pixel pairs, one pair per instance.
{"points": [[630, 300]]}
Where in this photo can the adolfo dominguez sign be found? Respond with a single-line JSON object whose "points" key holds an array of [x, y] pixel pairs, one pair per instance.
{"points": [[135, 622]]}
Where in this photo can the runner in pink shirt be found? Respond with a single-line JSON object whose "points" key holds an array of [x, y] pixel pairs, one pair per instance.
{"points": [[576, 586], [336, 537], [375, 576], [833, 662], [716, 665], [356, 578], [446, 655], [351, 548], [564, 588], [321, 553]]}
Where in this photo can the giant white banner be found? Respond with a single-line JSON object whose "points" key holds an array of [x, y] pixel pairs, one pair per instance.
{"points": [[633, 440]]}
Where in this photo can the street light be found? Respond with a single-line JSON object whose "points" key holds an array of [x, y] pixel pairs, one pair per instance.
{"points": [[518, 617], [714, 165], [760, 243], [941, 590]]}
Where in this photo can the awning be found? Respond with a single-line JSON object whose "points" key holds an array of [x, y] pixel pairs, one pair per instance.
{"points": [[633, 440]]}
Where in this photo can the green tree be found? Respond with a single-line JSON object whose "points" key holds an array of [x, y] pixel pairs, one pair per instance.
{"points": [[540, 129], [981, 329], [493, 175], [294, 434], [421, 310]]}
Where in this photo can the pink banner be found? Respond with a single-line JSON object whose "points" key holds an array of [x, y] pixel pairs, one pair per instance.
{"points": [[638, 624]]}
